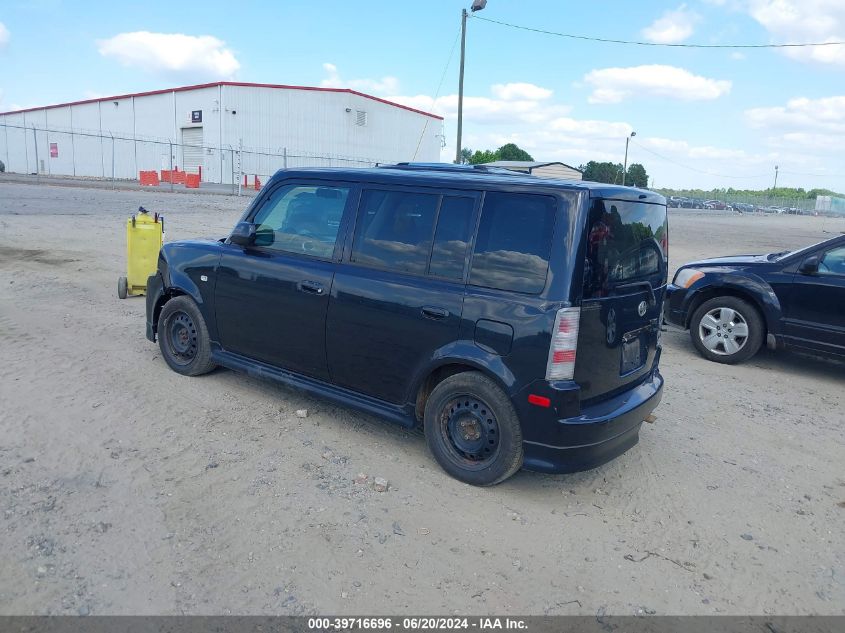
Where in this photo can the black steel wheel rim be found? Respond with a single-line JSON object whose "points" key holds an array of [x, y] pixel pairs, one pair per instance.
{"points": [[182, 338], [470, 431]]}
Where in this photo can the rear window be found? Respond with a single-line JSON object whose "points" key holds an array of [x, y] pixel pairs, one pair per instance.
{"points": [[514, 241], [626, 242]]}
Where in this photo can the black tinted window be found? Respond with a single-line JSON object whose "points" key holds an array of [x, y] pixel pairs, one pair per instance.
{"points": [[514, 242], [626, 241], [394, 230], [451, 237]]}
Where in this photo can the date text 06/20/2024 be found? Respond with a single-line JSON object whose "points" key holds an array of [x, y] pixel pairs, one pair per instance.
{"points": [[414, 624]]}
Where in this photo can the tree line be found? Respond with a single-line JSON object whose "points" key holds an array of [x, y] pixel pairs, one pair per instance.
{"points": [[611, 173]]}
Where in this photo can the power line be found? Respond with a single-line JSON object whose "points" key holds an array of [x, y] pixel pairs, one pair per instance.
{"points": [[701, 171], [606, 40], [437, 92]]}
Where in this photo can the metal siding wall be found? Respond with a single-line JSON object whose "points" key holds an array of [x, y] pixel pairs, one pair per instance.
{"points": [[60, 119], [204, 99], [154, 121], [556, 171], [118, 154], [19, 145], [88, 149], [309, 124]]}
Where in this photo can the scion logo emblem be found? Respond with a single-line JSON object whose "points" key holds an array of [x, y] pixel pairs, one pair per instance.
{"points": [[611, 326], [642, 308]]}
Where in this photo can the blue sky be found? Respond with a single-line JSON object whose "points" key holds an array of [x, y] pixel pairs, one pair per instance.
{"points": [[700, 115]]}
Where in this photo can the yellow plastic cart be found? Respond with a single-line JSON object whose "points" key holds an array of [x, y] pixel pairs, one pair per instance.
{"points": [[144, 236]]}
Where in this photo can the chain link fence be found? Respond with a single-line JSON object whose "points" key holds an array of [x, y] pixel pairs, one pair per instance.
{"points": [[746, 202], [83, 154]]}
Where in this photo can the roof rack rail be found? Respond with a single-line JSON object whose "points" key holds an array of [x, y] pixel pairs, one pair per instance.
{"points": [[465, 169]]}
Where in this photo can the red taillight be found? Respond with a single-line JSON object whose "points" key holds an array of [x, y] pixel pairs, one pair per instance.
{"points": [[561, 364], [540, 401]]}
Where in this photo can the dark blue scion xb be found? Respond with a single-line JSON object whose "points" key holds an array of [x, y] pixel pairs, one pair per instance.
{"points": [[516, 318]]}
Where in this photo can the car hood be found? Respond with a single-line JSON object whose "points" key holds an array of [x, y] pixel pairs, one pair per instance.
{"points": [[733, 260]]}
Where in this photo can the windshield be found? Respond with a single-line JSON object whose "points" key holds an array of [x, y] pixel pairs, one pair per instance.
{"points": [[626, 242], [773, 257]]}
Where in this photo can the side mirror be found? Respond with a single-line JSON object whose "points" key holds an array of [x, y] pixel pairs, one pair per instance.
{"points": [[243, 234], [809, 266]]}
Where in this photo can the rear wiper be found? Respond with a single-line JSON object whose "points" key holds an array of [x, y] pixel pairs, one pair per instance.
{"points": [[638, 284]]}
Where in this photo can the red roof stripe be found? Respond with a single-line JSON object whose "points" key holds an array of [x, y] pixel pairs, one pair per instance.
{"points": [[227, 83]]}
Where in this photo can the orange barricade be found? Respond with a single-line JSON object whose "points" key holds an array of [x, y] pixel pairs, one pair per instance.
{"points": [[257, 184], [192, 181], [165, 175], [149, 178], [177, 177]]}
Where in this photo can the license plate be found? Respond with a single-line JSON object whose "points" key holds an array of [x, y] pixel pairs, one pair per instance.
{"points": [[631, 356]]}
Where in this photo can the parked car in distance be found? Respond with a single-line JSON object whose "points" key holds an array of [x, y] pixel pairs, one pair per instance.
{"points": [[715, 204], [792, 299], [516, 318]]}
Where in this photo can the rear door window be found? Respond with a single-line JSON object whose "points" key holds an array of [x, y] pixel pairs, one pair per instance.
{"points": [[394, 230], [451, 238], [626, 242], [514, 242]]}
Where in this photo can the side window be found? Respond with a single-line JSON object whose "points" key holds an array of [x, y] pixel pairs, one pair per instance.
{"points": [[451, 237], [394, 230], [833, 262], [301, 219], [514, 242]]}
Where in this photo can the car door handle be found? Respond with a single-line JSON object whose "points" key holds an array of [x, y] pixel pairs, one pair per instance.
{"points": [[433, 312], [311, 287]]}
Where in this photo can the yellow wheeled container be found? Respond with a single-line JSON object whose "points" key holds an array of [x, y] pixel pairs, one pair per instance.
{"points": [[144, 236]]}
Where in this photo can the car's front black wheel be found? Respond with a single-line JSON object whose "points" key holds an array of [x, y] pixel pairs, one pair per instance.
{"points": [[727, 330], [472, 430], [183, 337]]}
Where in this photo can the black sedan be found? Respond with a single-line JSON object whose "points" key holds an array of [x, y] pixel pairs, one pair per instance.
{"points": [[792, 299]]}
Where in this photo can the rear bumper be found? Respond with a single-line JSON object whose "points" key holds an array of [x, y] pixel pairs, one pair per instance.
{"points": [[675, 305], [601, 433]]}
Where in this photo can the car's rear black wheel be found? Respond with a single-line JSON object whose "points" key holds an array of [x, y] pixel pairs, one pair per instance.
{"points": [[183, 337], [472, 430], [727, 330]]}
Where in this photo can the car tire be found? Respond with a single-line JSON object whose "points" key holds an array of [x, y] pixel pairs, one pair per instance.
{"points": [[727, 330], [472, 429], [122, 288], [183, 338]]}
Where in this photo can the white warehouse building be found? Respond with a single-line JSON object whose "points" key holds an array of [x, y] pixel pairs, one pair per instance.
{"points": [[222, 129]]}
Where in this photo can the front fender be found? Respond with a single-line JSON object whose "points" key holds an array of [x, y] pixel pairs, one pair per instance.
{"points": [[749, 285], [189, 268]]}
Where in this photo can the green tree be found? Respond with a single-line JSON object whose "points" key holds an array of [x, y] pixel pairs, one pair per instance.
{"points": [[466, 155], [479, 157], [636, 176], [602, 172], [511, 151]]}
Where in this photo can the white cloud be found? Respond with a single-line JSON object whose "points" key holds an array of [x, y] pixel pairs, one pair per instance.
{"points": [[194, 56], [738, 56], [4, 35], [803, 116], [798, 21], [613, 85], [517, 91], [512, 104], [672, 27], [381, 86]]}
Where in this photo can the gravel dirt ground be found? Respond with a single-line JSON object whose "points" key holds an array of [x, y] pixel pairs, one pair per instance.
{"points": [[127, 489]]}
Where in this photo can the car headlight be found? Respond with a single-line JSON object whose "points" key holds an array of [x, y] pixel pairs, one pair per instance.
{"points": [[687, 277]]}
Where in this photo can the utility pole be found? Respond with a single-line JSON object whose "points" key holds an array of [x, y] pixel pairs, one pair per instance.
{"points": [[625, 167], [477, 5]]}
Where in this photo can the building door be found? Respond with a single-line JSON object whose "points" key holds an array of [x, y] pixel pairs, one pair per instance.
{"points": [[192, 152]]}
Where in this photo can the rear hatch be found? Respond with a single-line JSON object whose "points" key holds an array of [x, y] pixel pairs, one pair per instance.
{"points": [[625, 271]]}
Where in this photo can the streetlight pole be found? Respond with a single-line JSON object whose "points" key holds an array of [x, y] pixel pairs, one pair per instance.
{"points": [[625, 167], [477, 5], [776, 180]]}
